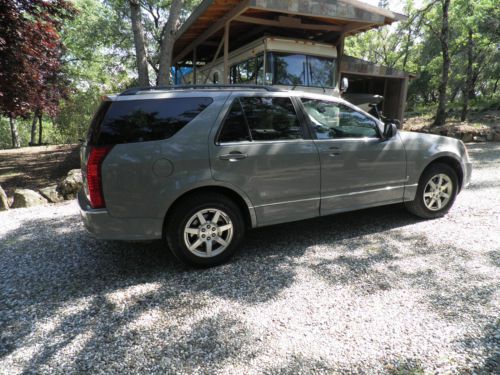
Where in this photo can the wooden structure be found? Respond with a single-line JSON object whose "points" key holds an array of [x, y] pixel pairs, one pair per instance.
{"points": [[369, 78], [219, 26]]}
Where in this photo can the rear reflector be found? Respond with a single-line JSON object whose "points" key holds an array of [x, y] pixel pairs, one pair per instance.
{"points": [[94, 178]]}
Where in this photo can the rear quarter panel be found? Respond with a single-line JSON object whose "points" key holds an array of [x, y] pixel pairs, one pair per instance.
{"points": [[143, 179]]}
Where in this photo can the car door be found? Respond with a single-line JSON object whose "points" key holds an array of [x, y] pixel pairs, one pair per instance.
{"points": [[261, 147], [359, 168]]}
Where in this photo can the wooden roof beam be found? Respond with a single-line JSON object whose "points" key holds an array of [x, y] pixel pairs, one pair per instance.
{"points": [[288, 22], [229, 16]]}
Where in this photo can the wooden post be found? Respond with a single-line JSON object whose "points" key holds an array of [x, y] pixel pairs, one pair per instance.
{"points": [[402, 99], [194, 66], [226, 53]]}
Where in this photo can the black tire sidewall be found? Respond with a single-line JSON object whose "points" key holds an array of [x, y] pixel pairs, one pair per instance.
{"points": [[179, 219], [430, 172]]}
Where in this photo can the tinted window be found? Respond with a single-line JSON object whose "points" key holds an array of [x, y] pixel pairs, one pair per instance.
{"points": [[95, 125], [235, 128], [271, 119], [335, 120], [147, 120]]}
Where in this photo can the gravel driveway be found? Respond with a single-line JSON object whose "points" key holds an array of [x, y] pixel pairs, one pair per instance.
{"points": [[375, 291]]}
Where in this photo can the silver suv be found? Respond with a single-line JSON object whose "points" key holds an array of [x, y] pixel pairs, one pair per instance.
{"points": [[197, 166]]}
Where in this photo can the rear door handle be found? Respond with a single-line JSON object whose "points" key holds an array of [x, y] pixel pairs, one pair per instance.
{"points": [[334, 151], [233, 156]]}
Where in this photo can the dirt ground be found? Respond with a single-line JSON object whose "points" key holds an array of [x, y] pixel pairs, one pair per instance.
{"points": [[477, 125], [36, 167]]}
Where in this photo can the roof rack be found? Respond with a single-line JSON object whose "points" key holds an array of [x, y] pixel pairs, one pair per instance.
{"points": [[135, 90]]}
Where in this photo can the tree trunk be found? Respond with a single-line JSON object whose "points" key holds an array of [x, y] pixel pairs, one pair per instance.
{"points": [[14, 133], [468, 81], [33, 129], [139, 42], [40, 129], [167, 43], [443, 38]]}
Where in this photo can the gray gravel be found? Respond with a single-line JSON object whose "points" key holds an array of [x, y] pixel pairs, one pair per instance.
{"points": [[376, 291]]}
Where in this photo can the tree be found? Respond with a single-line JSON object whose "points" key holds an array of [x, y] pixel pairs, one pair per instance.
{"points": [[443, 84], [167, 43], [160, 21], [139, 42], [30, 51]]}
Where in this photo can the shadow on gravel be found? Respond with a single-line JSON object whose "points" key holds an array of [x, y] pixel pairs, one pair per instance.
{"points": [[59, 284], [489, 342]]}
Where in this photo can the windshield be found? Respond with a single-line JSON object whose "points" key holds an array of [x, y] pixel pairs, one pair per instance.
{"points": [[303, 70]]}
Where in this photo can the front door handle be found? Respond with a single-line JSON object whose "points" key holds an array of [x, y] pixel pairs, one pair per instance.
{"points": [[233, 156], [334, 151]]}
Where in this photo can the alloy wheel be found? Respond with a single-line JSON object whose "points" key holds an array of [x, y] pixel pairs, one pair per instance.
{"points": [[208, 232], [438, 192]]}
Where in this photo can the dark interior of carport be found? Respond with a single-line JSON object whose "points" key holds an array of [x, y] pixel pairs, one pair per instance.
{"points": [[368, 78]]}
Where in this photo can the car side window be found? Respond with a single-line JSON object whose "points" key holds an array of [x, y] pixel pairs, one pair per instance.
{"points": [[271, 118], [235, 128], [332, 120]]}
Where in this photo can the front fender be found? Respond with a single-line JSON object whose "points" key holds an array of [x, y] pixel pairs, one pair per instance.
{"points": [[423, 149]]}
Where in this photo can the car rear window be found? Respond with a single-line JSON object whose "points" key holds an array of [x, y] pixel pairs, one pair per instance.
{"points": [[143, 120]]}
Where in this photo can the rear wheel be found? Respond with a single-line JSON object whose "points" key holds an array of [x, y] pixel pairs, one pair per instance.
{"points": [[436, 192], [205, 230]]}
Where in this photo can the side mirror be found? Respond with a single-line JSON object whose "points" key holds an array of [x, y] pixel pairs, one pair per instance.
{"points": [[390, 130], [344, 84]]}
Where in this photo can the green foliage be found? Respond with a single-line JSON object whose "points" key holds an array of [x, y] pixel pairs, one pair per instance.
{"points": [[413, 46]]}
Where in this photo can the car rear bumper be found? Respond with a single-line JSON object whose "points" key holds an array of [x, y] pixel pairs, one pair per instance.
{"points": [[100, 224]]}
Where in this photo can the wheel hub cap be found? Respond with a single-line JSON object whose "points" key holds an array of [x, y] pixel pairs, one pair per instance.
{"points": [[437, 192], [208, 232]]}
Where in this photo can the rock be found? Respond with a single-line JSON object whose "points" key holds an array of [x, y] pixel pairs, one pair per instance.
{"points": [[27, 198], [496, 138], [51, 194], [4, 203], [71, 184], [466, 137], [489, 136], [478, 138]]}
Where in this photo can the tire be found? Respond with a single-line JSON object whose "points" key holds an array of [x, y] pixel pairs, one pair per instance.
{"points": [[185, 227], [435, 204]]}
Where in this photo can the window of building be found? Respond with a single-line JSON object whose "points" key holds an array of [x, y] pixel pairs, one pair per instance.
{"points": [[302, 70], [250, 71]]}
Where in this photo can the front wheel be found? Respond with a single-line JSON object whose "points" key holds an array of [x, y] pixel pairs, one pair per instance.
{"points": [[436, 192], [205, 230]]}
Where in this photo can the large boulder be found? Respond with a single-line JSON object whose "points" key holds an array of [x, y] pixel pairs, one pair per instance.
{"points": [[27, 198], [4, 203], [51, 194], [71, 184]]}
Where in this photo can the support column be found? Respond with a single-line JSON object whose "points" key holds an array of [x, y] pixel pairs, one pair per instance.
{"points": [[226, 53], [194, 66]]}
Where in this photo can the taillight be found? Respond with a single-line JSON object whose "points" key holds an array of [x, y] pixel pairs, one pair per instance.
{"points": [[94, 177]]}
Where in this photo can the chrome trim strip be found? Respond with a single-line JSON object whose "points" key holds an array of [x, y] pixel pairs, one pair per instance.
{"points": [[285, 202], [338, 195], [364, 192]]}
